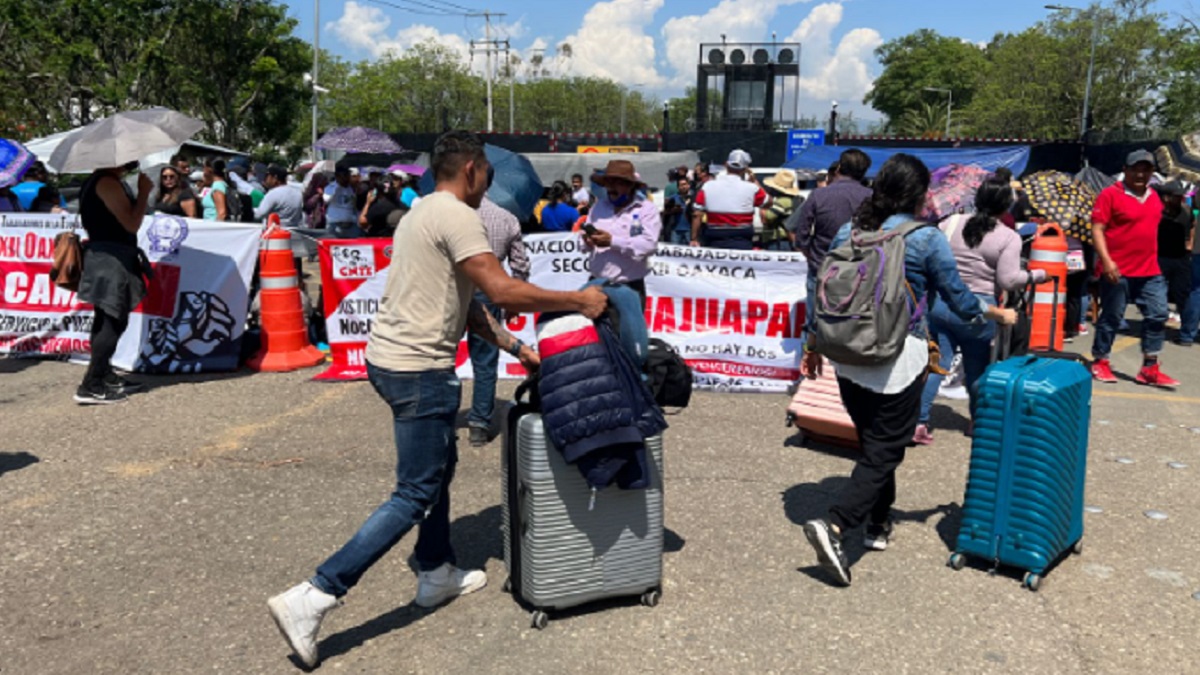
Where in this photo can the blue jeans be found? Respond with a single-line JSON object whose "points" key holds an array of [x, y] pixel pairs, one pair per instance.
{"points": [[424, 407], [1150, 295], [1190, 316], [973, 340], [485, 359], [810, 300], [681, 237]]}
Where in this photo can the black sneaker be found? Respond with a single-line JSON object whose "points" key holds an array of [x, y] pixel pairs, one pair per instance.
{"points": [[876, 537], [479, 437], [828, 545], [120, 385], [85, 396]]}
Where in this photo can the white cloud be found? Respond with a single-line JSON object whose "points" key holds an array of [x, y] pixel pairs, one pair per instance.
{"points": [[612, 42], [365, 29], [738, 20], [842, 72]]}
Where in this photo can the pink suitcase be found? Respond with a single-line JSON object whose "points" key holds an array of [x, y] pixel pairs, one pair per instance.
{"points": [[817, 412]]}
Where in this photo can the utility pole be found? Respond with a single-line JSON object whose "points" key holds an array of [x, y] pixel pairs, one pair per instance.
{"points": [[512, 78], [492, 46], [316, 69]]}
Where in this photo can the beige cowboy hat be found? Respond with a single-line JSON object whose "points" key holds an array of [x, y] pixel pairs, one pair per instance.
{"points": [[617, 169], [784, 181]]}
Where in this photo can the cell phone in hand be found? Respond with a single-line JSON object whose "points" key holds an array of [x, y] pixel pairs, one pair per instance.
{"points": [[590, 229]]}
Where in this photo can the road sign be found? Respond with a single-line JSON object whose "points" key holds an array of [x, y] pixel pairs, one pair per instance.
{"points": [[799, 139]]}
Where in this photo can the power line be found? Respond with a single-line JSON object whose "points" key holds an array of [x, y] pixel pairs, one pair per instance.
{"points": [[429, 9]]}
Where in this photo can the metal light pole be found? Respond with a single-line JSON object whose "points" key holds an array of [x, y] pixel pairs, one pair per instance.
{"points": [[316, 71], [1087, 92], [949, 104]]}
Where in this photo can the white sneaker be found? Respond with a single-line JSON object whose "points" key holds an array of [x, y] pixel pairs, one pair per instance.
{"points": [[298, 612], [446, 582]]}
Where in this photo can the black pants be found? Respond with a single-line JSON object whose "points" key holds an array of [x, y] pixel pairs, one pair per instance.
{"points": [[1076, 287], [1178, 274], [885, 424], [106, 332]]}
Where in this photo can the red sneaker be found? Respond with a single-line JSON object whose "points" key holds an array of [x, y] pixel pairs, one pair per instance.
{"points": [[1152, 376], [1102, 372]]}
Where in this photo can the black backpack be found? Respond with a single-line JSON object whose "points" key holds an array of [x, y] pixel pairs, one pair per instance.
{"points": [[670, 376]]}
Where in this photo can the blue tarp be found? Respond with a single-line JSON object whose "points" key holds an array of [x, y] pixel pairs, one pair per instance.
{"points": [[1015, 157]]}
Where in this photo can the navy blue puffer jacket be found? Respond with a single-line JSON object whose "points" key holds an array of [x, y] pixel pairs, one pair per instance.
{"points": [[595, 406]]}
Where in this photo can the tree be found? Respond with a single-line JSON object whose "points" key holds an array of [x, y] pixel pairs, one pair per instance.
{"points": [[925, 59], [683, 110], [1037, 79], [233, 63], [927, 120]]}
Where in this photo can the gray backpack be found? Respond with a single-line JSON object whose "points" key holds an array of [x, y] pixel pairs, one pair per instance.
{"points": [[861, 308]]}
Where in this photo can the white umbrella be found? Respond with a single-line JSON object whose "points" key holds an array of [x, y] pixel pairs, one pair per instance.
{"points": [[123, 138]]}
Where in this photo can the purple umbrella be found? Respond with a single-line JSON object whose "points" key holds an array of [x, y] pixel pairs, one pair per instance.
{"points": [[955, 192], [410, 169], [15, 160], [359, 139]]}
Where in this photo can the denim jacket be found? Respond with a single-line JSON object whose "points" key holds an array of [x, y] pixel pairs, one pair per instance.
{"points": [[929, 266]]}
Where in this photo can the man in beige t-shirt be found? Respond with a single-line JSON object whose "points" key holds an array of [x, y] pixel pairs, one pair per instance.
{"points": [[440, 255]]}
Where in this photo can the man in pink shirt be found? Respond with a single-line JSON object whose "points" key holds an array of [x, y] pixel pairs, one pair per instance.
{"points": [[1125, 226], [622, 228]]}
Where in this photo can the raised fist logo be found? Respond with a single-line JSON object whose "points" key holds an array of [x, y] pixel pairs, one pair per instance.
{"points": [[201, 328]]}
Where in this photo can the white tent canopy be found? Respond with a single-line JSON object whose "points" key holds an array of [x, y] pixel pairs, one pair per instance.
{"points": [[44, 147]]}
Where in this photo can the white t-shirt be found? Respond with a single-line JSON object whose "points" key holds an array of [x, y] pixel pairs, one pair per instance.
{"points": [[582, 196], [426, 297]]}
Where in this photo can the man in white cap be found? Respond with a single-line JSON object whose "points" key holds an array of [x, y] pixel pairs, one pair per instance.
{"points": [[725, 206]]}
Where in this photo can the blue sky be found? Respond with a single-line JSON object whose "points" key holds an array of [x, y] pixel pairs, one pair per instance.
{"points": [[653, 43]]}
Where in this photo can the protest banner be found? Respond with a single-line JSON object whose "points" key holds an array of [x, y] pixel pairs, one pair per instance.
{"points": [[735, 316], [190, 321], [353, 273]]}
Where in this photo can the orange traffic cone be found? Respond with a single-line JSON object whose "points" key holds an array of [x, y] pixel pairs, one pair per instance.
{"points": [[285, 344], [1049, 252]]}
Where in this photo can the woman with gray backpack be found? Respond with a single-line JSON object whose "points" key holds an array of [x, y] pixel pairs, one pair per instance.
{"points": [[883, 272]]}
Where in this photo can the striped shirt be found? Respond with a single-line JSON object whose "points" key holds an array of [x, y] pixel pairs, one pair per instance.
{"points": [[729, 201]]}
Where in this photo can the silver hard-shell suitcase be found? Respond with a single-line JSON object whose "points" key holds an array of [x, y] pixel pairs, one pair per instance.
{"points": [[565, 546]]}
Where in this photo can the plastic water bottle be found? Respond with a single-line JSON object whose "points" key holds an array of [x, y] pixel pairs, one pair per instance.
{"points": [[636, 229]]}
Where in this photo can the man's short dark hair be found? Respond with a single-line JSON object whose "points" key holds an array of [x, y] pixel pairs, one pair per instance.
{"points": [[177, 158], [278, 172], [854, 164], [453, 150], [577, 175]]}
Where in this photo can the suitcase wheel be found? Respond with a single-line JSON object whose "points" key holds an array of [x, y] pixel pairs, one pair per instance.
{"points": [[1032, 581], [957, 561], [539, 619], [506, 587], [650, 598], [1077, 549], [791, 419]]}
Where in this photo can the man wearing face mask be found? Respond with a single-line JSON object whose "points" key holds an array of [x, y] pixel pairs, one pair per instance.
{"points": [[622, 228]]}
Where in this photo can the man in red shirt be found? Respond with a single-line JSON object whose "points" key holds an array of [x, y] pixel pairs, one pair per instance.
{"points": [[725, 206], [1125, 226]]}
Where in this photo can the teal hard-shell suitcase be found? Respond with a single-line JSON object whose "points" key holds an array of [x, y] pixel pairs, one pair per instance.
{"points": [[1024, 500]]}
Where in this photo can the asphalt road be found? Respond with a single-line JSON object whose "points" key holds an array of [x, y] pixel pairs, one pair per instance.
{"points": [[146, 538]]}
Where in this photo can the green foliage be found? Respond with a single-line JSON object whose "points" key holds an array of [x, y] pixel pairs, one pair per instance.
{"points": [[1032, 83], [683, 110], [927, 120], [232, 63], [925, 59]]}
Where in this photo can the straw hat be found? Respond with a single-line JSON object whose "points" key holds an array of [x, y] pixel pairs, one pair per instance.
{"points": [[784, 181]]}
